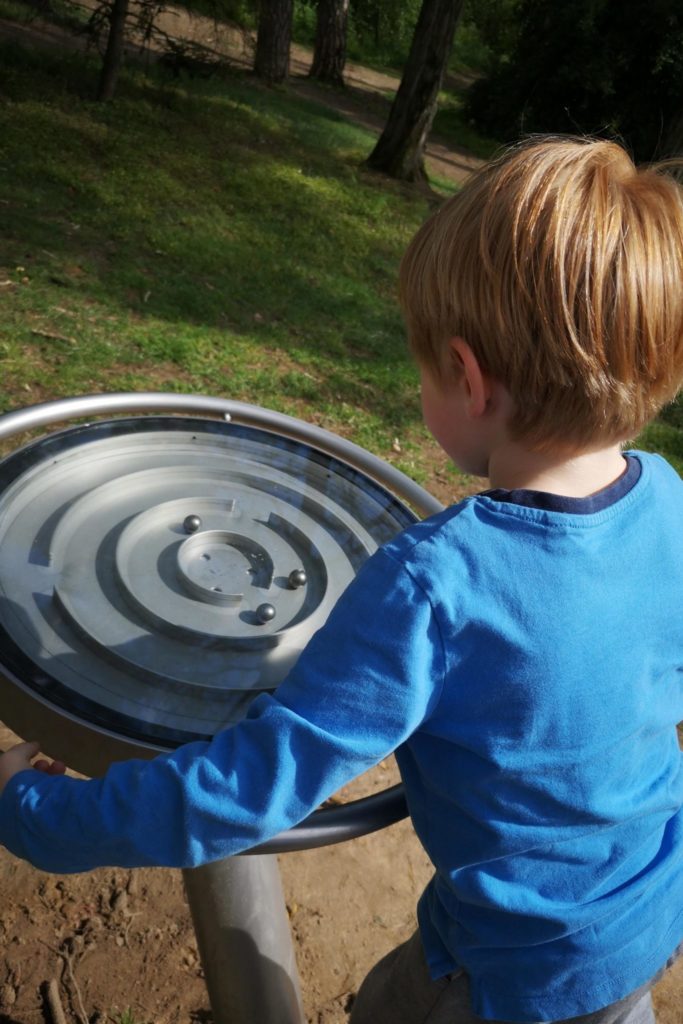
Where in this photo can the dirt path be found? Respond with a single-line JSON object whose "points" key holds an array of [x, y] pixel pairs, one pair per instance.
{"points": [[365, 100]]}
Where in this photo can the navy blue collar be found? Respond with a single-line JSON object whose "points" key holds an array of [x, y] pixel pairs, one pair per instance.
{"points": [[577, 506]]}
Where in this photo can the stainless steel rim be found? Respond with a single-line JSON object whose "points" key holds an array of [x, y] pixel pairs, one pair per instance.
{"points": [[59, 411]]}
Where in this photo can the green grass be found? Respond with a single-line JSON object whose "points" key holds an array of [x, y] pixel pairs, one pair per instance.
{"points": [[15, 10], [210, 236], [206, 236], [127, 1017]]}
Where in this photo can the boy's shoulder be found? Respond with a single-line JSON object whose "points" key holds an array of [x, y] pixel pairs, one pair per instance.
{"points": [[428, 540], [467, 530], [659, 479], [659, 465]]}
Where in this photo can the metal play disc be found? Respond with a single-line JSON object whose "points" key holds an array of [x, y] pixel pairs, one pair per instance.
{"points": [[156, 573]]}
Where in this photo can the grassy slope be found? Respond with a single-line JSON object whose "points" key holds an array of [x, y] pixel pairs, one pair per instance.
{"points": [[213, 237], [207, 236]]}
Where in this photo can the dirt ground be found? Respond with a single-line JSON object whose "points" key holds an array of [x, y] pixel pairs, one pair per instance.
{"points": [[115, 940]]}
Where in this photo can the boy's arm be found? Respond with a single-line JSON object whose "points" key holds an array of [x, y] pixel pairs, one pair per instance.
{"points": [[365, 682]]}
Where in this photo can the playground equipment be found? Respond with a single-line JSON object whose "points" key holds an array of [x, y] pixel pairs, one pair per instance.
{"points": [[159, 568]]}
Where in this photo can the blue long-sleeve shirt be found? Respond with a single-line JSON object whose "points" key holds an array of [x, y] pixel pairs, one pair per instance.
{"points": [[526, 665]]}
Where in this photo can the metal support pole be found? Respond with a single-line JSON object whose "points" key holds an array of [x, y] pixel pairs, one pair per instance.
{"points": [[244, 941]]}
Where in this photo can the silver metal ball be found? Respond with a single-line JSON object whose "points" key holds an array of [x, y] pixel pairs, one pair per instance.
{"points": [[297, 578], [265, 613], [191, 523]]}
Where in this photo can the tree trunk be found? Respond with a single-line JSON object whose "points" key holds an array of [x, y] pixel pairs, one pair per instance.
{"points": [[400, 148], [113, 55], [329, 55], [273, 38]]}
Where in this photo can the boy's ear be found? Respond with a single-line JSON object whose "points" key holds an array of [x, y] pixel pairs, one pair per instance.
{"points": [[472, 377]]}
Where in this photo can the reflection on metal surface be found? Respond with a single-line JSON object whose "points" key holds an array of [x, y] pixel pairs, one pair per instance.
{"points": [[146, 575]]}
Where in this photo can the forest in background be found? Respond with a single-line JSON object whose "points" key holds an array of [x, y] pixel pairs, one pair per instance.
{"points": [[602, 67]]}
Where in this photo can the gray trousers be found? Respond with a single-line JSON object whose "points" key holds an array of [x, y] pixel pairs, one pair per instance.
{"points": [[399, 990]]}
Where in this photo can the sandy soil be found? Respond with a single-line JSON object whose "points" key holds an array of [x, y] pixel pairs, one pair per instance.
{"points": [[113, 939]]}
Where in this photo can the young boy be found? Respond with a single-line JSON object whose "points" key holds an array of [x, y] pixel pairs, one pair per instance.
{"points": [[522, 651]]}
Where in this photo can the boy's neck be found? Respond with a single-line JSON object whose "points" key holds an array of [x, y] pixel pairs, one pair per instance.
{"points": [[512, 467]]}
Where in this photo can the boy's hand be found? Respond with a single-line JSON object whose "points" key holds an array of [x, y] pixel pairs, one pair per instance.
{"points": [[18, 758]]}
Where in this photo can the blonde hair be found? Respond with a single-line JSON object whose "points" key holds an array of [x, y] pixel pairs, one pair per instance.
{"points": [[561, 264]]}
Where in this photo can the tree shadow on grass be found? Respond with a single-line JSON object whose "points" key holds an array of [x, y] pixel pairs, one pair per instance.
{"points": [[216, 215]]}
